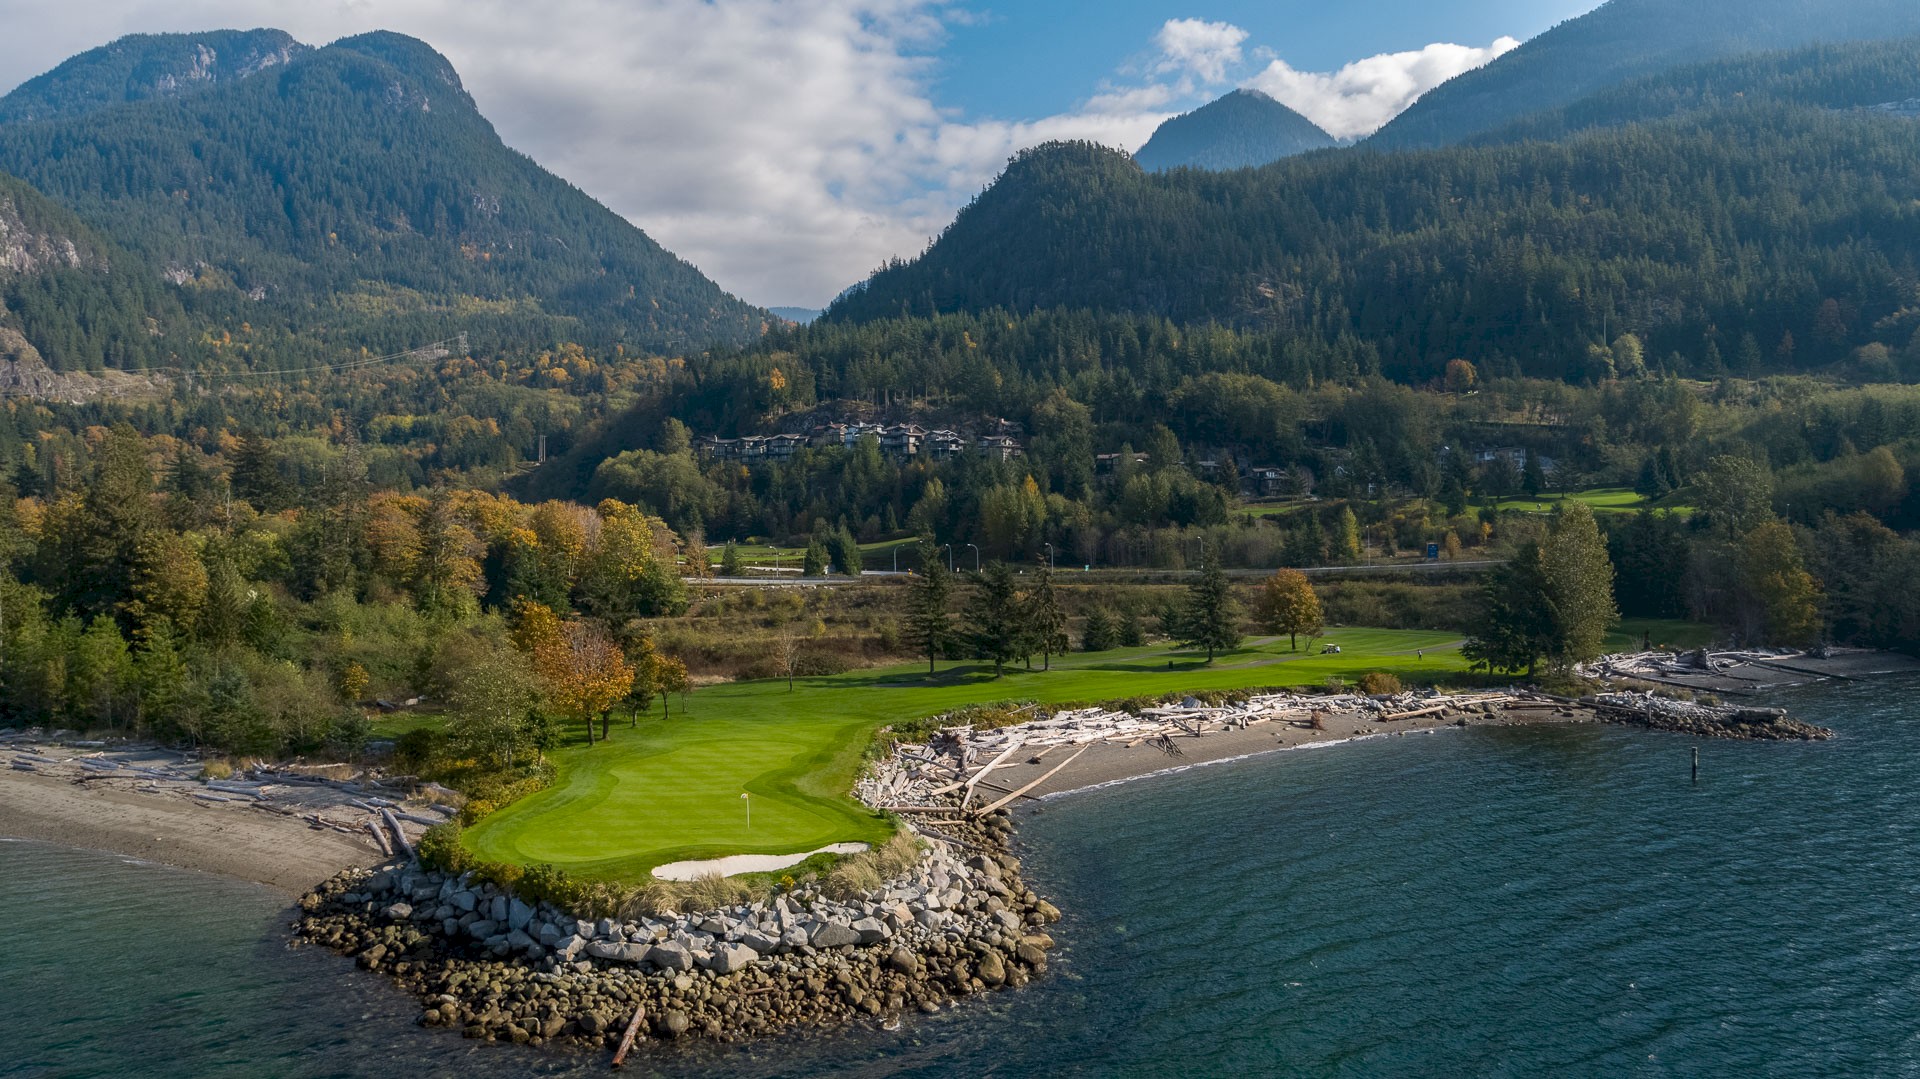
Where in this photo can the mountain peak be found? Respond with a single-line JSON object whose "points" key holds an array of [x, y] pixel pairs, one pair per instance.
{"points": [[141, 67], [1244, 129]]}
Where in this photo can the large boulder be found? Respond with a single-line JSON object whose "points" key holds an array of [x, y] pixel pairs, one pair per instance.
{"points": [[728, 958], [671, 956], [463, 900], [617, 952], [833, 935], [518, 914], [763, 943], [482, 929], [872, 930]]}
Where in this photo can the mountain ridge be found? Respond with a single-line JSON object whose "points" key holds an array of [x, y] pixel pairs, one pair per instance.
{"points": [[355, 196], [1627, 39], [1244, 129]]}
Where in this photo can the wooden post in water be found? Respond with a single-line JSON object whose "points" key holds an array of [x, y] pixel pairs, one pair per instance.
{"points": [[1696, 764]]}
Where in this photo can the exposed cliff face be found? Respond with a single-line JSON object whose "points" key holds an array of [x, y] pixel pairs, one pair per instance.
{"points": [[24, 373], [25, 249]]}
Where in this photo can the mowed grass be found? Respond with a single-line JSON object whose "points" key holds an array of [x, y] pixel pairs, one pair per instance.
{"points": [[1602, 500], [669, 789]]}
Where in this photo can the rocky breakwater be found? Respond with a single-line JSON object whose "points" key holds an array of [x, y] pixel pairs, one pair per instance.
{"points": [[483, 961], [1684, 717]]}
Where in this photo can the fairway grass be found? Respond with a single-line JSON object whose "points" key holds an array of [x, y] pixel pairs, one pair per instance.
{"points": [[1602, 500], [670, 789]]}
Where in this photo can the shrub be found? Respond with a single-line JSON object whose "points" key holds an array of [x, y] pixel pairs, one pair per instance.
{"points": [[1379, 684], [216, 770]]}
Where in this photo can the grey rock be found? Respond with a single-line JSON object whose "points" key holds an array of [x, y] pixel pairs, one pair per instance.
{"points": [[833, 935], [728, 958], [570, 947], [548, 933], [872, 930], [463, 901], [931, 919], [518, 940], [518, 914], [497, 910], [618, 953], [795, 937], [603, 928], [482, 929], [399, 912], [1007, 920], [760, 942], [671, 956]]}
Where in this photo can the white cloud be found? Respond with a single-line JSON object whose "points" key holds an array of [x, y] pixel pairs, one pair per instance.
{"points": [[1361, 97], [1204, 50]]}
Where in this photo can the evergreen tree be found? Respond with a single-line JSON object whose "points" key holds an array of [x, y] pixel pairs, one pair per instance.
{"points": [[730, 562], [932, 626], [814, 562], [1553, 600], [996, 623], [1132, 634], [1212, 617], [1100, 633], [1046, 623], [846, 553], [256, 477]]}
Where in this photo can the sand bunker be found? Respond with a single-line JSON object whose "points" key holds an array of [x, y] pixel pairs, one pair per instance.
{"points": [[735, 864]]}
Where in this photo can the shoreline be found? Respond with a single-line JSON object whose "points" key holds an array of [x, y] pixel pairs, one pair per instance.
{"points": [[1103, 764], [277, 852], [1181, 769]]}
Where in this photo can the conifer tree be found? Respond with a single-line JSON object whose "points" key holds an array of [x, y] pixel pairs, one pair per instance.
{"points": [[931, 625], [1212, 616], [1046, 622], [996, 624]]}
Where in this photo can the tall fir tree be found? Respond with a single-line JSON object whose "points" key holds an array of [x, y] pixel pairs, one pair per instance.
{"points": [[931, 624], [1212, 616]]}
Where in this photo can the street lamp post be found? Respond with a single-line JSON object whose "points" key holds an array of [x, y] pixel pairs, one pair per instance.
{"points": [[976, 557], [948, 547], [1049, 558]]}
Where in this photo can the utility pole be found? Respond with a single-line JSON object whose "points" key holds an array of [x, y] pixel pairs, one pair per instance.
{"points": [[976, 557]]}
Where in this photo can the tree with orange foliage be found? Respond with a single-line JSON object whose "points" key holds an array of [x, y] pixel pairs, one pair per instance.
{"points": [[583, 671]]}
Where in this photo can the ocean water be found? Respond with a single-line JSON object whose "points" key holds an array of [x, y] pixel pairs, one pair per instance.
{"points": [[1489, 902]]}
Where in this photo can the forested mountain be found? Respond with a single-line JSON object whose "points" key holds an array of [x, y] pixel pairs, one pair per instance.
{"points": [[1858, 75], [1756, 235], [354, 197], [1625, 39], [69, 297], [1244, 129], [143, 66]]}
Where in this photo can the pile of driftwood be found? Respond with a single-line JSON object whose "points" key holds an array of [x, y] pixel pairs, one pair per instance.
{"points": [[388, 811], [948, 773]]}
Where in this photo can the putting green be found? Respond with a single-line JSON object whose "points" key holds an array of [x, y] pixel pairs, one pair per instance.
{"points": [[669, 790]]}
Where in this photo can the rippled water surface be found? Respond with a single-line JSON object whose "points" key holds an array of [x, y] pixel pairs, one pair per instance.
{"points": [[1523, 902]]}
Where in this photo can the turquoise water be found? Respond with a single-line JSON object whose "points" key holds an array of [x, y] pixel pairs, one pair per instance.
{"points": [[1512, 902]]}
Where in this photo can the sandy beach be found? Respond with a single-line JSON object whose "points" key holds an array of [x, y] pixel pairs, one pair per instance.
{"points": [[231, 840]]}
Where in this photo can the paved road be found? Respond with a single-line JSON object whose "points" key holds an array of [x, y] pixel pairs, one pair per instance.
{"points": [[1067, 575]]}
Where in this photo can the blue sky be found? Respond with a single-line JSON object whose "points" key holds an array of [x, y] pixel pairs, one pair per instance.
{"points": [[1024, 59], [787, 147]]}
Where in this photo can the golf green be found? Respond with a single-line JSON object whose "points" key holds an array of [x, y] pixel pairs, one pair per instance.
{"points": [[670, 789]]}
